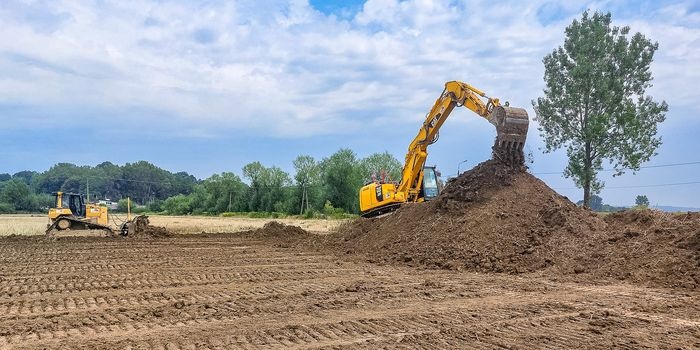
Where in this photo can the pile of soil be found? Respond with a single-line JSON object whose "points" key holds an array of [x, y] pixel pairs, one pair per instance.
{"points": [[496, 218], [142, 228], [493, 218], [284, 236], [275, 229], [647, 245]]}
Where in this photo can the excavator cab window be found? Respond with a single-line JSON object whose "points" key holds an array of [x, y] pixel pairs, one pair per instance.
{"points": [[430, 183]]}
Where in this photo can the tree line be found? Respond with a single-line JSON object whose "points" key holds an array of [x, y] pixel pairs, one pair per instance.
{"points": [[327, 185]]}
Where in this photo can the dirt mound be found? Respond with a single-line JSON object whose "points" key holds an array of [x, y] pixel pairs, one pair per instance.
{"points": [[495, 218], [275, 229], [284, 236], [279, 231], [140, 227], [647, 245]]}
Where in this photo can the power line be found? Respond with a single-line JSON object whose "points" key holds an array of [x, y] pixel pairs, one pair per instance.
{"points": [[641, 167], [639, 186], [57, 177]]}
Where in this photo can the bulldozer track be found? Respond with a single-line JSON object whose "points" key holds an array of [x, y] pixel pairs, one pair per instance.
{"points": [[229, 292]]}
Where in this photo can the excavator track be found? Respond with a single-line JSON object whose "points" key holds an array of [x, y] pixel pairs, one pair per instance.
{"points": [[511, 127]]}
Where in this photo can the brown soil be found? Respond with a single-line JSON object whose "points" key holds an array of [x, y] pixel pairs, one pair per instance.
{"points": [[240, 291], [646, 245], [274, 229], [141, 227], [495, 218]]}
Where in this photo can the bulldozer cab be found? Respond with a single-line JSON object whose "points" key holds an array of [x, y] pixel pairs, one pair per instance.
{"points": [[72, 201]]}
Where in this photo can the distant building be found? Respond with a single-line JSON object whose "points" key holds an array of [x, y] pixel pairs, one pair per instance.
{"points": [[108, 203]]}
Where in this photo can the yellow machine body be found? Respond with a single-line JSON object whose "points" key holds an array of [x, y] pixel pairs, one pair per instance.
{"points": [[71, 206]]}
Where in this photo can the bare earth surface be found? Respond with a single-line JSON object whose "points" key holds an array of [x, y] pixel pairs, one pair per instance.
{"points": [[35, 224], [241, 292]]}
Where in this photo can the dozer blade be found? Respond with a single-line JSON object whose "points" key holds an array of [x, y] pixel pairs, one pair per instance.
{"points": [[511, 125], [137, 225]]}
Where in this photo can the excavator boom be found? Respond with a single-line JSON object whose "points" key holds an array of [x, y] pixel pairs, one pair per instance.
{"points": [[511, 127]]}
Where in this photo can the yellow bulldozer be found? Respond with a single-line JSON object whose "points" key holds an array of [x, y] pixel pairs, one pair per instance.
{"points": [[71, 212]]}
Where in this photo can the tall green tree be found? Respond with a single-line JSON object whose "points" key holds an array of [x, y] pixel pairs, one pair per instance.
{"points": [[226, 192], [595, 103], [19, 195], [27, 176], [307, 178], [267, 187], [342, 178], [641, 201], [377, 163]]}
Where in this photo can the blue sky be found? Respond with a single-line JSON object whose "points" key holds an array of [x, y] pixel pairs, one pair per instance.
{"points": [[208, 86]]}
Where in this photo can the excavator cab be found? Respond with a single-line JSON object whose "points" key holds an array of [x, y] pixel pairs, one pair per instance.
{"points": [[430, 188]]}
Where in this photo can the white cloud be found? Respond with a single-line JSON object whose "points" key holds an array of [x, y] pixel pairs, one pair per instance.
{"points": [[283, 68]]}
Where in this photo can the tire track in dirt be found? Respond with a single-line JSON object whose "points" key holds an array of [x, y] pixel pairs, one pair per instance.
{"points": [[229, 292], [42, 287]]}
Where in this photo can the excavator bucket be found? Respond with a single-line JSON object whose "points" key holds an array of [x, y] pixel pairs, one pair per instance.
{"points": [[511, 125]]}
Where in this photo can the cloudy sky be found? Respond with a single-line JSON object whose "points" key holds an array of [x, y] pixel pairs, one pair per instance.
{"points": [[208, 86]]}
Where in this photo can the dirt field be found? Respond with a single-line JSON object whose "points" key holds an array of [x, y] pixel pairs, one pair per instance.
{"points": [[241, 292], [35, 224]]}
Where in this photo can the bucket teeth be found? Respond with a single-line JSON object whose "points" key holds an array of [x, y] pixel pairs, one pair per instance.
{"points": [[511, 125]]}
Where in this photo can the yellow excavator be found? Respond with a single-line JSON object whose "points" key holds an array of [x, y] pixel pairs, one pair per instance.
{"points": [[418, 182]]}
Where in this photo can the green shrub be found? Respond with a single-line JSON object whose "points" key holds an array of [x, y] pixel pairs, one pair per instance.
{"points": [[329, 209], [6, 208], [139, 209], [310, 214], [155, 206], [177, 205]]}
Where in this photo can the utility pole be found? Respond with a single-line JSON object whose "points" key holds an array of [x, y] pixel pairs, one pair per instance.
{"points": [[460, 163], [229, 201], [88, 189], [303, 195]]}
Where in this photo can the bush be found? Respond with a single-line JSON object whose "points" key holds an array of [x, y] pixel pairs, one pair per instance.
{"points": [[310, 214], [6, 208], [139, 209], [155, 206], [330, 210], [255, 214], [177, 205]]}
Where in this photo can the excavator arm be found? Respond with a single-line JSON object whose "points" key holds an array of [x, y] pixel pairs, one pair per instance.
{"points": [[511, 126], [455, 94]]}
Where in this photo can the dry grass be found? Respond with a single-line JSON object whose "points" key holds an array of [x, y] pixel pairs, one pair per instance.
{"points": [[36, 224], [23, 224], [198, 224]]}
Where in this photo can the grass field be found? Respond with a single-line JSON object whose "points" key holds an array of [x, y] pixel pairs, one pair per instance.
{"points": [[35, 224]]}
